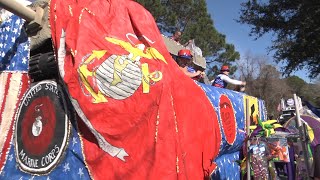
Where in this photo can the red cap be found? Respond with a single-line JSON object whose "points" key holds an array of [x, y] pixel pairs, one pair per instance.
{"points": [[185, 53], [225, 68]]}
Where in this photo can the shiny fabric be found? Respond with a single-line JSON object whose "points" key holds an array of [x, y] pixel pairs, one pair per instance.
{"points": [[152, 133]]}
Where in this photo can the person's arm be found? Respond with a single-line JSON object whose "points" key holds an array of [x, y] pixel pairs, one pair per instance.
{"points": [[189, 74], [232, 81]]}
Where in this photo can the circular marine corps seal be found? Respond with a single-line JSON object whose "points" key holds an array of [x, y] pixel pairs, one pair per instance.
{"points": [[228, 119], [41, 128]]}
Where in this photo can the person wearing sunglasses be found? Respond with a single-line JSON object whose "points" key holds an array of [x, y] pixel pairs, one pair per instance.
{"points": [[223, 79]]}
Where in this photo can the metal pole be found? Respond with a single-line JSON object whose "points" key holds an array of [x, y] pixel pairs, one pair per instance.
{"points": [[248, 141], [18, 9], [301, 132]]}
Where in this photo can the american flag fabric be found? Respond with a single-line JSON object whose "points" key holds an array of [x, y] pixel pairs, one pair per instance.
{"points": [[14, 56], [14, 46], [72, 165], [14, 82]]}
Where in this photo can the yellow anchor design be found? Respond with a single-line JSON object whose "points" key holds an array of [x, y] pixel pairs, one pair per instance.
{"points": [[119, 65], [151, 53], [85, 73], [147, 76]]}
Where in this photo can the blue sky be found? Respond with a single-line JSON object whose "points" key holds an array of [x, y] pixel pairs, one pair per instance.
{"points": [[224, 13]]}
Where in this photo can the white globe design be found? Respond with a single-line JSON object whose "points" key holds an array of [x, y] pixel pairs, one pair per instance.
{"points": [[131, 77], [37, 126]]}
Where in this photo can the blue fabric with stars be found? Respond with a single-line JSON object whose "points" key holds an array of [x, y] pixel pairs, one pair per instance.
{"points": [[228, 168], [71, 166], [236, 99], [14, 45]]}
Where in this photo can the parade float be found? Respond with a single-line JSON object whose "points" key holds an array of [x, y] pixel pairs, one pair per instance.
{"points": [[89, 90]]}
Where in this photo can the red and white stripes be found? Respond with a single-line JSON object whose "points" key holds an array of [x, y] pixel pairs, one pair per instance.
{"points": [[12, 87]]}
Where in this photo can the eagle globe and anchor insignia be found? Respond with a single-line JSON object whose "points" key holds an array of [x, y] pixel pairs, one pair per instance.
{"points": [[42, 128], [119, 76]]}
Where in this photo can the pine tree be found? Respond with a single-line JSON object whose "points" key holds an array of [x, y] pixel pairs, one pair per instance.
{"points": [[193, 20], [296, 26]]}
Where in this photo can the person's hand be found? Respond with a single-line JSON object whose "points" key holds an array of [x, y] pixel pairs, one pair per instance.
{"points": [[202, 74], [243, 83]]}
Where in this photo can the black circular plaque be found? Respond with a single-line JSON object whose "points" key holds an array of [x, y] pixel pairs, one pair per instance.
{"points": [[41, 128]]}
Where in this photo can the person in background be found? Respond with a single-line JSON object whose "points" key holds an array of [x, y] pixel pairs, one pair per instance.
{"points": [[184, 60], [176, 36], [223, 79]]}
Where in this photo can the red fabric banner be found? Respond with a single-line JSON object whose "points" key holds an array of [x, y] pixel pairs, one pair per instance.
{"points": [[142, 117]]}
